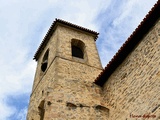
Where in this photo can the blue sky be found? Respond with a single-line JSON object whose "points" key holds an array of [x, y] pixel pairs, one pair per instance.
{"points": [[24, 23]]}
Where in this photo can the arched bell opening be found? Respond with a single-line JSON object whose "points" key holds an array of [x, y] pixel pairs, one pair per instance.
{"points": [[45, 61], [77, 48]]}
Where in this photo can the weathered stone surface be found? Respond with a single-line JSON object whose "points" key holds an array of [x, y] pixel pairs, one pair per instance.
{"points": [[68, 91], [67, 87], [132, 91]]}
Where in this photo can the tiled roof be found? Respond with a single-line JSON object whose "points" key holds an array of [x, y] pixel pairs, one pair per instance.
{"points": [[51, 30], [130, 44]]}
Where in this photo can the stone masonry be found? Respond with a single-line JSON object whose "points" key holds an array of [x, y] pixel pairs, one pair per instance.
{"points": [[133, 90], [65, 90]]}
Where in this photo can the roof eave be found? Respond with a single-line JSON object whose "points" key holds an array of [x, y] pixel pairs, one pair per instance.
{"points": [[51, 30]]}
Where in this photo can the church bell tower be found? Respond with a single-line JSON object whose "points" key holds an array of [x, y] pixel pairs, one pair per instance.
{"points": [[67, 65]]}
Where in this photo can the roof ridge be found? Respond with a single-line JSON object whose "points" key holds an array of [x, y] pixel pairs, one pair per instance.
{"points": [[75, 25]]}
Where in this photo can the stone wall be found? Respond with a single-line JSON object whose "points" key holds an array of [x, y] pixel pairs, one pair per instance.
{"points": [[68, 93], [132, 91], [52, 46], [65, 35], [65, 90], [76, 100], [43, 88], [59, 45]]}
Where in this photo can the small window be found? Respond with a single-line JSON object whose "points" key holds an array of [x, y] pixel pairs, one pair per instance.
{"points": [[77, 48], [77, 52], [41, 110], [45, 61]]}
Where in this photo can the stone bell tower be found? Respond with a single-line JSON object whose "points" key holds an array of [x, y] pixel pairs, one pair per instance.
{"points": [[67, 65]]}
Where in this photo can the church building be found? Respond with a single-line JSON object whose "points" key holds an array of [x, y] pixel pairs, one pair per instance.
{"points": [[70, 83]]}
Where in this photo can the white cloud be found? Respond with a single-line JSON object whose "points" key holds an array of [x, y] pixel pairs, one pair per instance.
{"points": [[81, 12], [5, 110], [121, 20], [24, 24], [22, 114]]}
